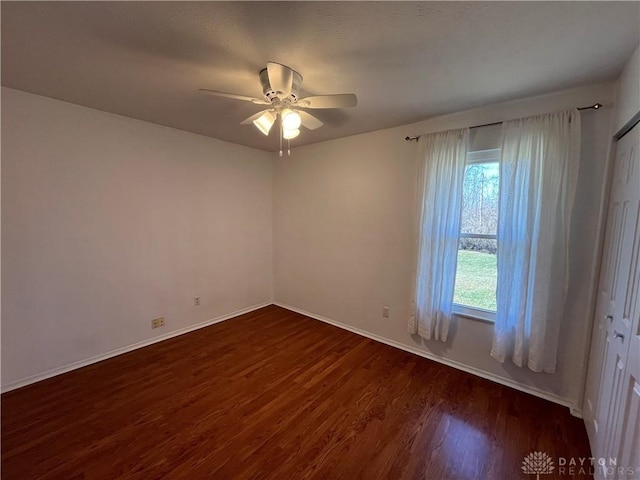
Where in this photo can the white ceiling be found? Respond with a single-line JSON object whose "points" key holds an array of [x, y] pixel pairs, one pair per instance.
{"points": [[406, 61]]}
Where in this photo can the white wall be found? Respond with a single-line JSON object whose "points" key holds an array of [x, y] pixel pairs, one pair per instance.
{"points": [[108, 222], [628, 92], [344, 237]]}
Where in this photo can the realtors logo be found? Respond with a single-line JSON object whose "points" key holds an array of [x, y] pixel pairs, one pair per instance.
{"points": [[537, 463]]}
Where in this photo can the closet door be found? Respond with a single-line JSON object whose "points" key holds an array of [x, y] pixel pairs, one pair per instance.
{"points": [[626, 446], [617, 421]]}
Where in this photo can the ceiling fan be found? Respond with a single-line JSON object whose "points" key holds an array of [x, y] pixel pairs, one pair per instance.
{"points": [[281, 87]]}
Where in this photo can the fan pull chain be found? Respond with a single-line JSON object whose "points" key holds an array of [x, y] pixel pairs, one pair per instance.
{"points": [[281, 135], [289, 147]]}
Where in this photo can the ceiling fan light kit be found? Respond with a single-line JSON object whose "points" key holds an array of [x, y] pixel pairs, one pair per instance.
{"points": [[265, 121], [281, 87], [290, 134], [290, 119]]}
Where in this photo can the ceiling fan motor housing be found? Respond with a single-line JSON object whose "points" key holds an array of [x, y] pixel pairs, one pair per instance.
{"points": [[270, 93]]}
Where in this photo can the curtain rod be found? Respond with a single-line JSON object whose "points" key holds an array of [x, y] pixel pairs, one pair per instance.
{"points": [[415, 138]]}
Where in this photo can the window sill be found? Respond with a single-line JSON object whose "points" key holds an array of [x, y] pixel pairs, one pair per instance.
{"points": [[478, 314]]}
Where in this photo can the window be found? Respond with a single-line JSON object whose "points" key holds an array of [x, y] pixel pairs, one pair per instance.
{"points": [[477, 272]]}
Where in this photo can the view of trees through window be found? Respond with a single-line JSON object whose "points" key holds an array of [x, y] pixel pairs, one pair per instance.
{"points": [[477, 273]]}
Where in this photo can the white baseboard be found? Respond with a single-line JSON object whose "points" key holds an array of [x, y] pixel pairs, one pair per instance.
{"points": [[408, 348], [119, 351], [451, 363]]}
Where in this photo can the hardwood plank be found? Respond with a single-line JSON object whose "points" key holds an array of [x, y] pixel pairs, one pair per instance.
{"points": [[275, 395]]}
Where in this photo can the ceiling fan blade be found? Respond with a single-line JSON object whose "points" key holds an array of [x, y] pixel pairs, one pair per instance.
{"points": [[309, 121], [257, 101], [280, 77], [249, 120], [341, 100]]}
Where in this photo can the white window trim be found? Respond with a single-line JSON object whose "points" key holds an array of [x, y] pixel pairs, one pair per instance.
{"points": [[479, 156], [474, 313]]}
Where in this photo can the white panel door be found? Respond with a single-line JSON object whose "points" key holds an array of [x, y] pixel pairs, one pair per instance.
{"points": [[626, 447], [618, 405]]}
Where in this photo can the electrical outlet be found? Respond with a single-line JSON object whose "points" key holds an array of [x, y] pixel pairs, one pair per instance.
{"points": [[157, 322], [385, 312], [196, 301]]}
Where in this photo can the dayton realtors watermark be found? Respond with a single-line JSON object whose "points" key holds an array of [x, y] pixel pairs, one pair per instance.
{"points": [[541, 463]]}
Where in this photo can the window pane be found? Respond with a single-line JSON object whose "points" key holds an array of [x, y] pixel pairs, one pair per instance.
{"points": [[477, 274], [480, 198]]}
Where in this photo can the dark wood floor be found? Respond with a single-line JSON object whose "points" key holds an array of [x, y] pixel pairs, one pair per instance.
{"points": [[275, 395]]}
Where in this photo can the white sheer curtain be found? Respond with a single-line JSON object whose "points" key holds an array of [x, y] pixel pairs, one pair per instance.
{"points": [[538, 173], [440, 177]]}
